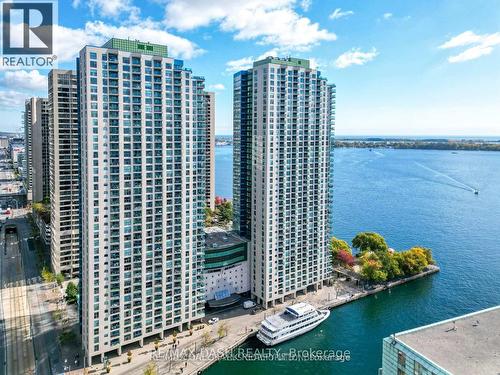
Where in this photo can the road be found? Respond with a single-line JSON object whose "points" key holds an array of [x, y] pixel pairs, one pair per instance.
{"points": [[18, 345], [19, 272], [45, 334]]}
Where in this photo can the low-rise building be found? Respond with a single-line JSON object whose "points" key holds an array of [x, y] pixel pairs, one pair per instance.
{"points": [[465, 345], [41, 217], [227, 272], [4, 142]]}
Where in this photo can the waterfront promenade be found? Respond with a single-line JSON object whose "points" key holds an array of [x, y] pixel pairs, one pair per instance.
{"points": [[189, 358]]}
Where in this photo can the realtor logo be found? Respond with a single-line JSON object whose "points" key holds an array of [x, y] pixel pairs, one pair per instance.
{"points": [[27, 33]]}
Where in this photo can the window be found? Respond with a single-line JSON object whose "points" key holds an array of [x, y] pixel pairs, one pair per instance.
{"points": [[418, 369], [401, 359]]}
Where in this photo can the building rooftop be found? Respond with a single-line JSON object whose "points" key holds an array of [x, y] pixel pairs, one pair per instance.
{"points": [[11, 187], [469, 344], [289, 61], [7, 175], [217, 237], [137, 46]]}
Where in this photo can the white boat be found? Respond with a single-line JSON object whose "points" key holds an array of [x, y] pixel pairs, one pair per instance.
{"points": [[294, 321]]}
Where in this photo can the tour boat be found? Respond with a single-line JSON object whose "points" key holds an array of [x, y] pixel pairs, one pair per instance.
{"points": [[294, 321]]}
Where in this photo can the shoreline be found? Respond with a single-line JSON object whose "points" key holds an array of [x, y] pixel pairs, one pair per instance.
{"points": [[328, 305], [412, 145]]}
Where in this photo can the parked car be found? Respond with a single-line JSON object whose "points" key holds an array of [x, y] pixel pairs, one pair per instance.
{"points": [[249, 304], [213, 320]]}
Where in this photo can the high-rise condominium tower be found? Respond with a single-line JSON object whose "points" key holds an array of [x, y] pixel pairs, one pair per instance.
{"points": [[36, 133], [284, 125], [64, 172], [143, 126], [210, 150], [242, 151]]}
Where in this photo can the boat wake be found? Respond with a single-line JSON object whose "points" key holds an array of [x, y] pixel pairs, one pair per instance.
{"points": [[457, 184]]}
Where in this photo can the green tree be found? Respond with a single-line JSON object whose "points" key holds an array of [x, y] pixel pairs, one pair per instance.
{"points": [[391, 264], [47, 276], [427, 252], [413, 261], [59, 278], [224, 212], [209, 217], [222, 330], [71, 293], [372, 268], [336, 245], [206, 338], [369, 241]]}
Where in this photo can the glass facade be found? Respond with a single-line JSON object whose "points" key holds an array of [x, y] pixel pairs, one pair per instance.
{"points": [[242, 151], [223, 257]]}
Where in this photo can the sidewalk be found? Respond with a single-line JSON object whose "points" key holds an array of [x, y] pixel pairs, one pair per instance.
{"points": [[188, 356], [191, 355]]}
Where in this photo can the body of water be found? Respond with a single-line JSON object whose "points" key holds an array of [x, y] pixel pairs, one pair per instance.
{"points": [[411, 197]]}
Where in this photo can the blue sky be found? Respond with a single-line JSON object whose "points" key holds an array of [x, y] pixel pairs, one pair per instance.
{"points": [[407, 67]]}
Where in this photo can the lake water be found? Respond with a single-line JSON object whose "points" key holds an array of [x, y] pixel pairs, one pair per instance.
{"points": [[411, 197]]}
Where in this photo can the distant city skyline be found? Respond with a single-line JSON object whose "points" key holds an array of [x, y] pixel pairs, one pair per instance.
{"points": [[407, 68]]}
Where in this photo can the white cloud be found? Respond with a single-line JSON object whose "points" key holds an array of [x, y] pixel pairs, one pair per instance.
{"points": [[114, 8], [240, 64], [147, 31], [268, 22], [217, 87], [64, 41], [12, 99], [305, 4], [247, 62], [316, 63], [75, 3], [464, 39], [338, 13], [22, 79], [97, 32], [386, 16], [355, 57], [478, 45]]}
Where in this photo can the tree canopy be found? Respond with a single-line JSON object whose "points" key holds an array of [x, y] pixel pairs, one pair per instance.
{"points": [[378, 264], [222, 215], [71, 293], [372, 268], [369, 241], [337, 244]]}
